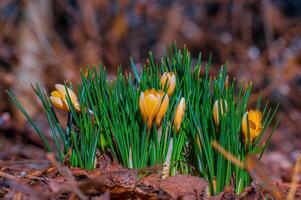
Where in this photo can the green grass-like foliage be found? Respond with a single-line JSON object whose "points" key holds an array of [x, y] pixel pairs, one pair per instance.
{"points": [[110, 120]]}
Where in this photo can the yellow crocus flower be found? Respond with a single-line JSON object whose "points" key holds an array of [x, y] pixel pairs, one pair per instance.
{"points": [[255, 126], [149, 104], [58, 98], [163, 107], [168, 79], [180, 111], [217, 104]]}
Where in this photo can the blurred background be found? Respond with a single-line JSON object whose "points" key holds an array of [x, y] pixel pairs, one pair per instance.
{"points": [[48, 41]]}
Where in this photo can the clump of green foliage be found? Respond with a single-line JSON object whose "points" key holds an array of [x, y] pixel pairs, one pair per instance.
{"points": [[131, 118]]}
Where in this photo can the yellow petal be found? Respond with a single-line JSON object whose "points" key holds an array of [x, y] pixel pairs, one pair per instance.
{"points": [[172, 82], [150, 91], [142, 105], [57, 102], [55, 93], [245, 126], [77, 106], [163, 80], [215, 113], [226, 83], [219, 104], [163, 108], [150, 104], [180, 111], [61, 90], [153, 105], [253, 117]]}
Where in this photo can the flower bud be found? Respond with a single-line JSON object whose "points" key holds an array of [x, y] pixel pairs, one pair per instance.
{"points": [[180, 111], [168, 79], [216, 108], [163, 107], [226, 83]]}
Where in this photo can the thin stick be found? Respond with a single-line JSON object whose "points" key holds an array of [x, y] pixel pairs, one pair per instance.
{"points": [[295, 179], [227, 155]]}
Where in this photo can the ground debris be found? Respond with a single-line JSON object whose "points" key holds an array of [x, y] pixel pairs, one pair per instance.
{"points": [[109, 181]]}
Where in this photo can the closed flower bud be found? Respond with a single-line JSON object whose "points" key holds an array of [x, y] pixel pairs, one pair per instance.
{"points": [[253, 118], [219, 104], [248, 85], [163, 107], [180, 111], [226, 82], [168, 79], [58, 98]]}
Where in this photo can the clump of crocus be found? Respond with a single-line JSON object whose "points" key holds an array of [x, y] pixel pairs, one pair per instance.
{"points": [[219, 104], [180, 111], [58, 98], [152, 106], [253, 118], [168, 79]]}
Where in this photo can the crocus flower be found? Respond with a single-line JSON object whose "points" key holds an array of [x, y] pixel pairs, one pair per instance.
{"points": [[218, 104], [163, 107], [149, 104], [255, 126], [58, 98], [168, 79], [180, 111]]}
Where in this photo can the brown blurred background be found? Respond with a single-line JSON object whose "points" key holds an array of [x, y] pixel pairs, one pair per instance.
{"points": [[48, 41]]}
